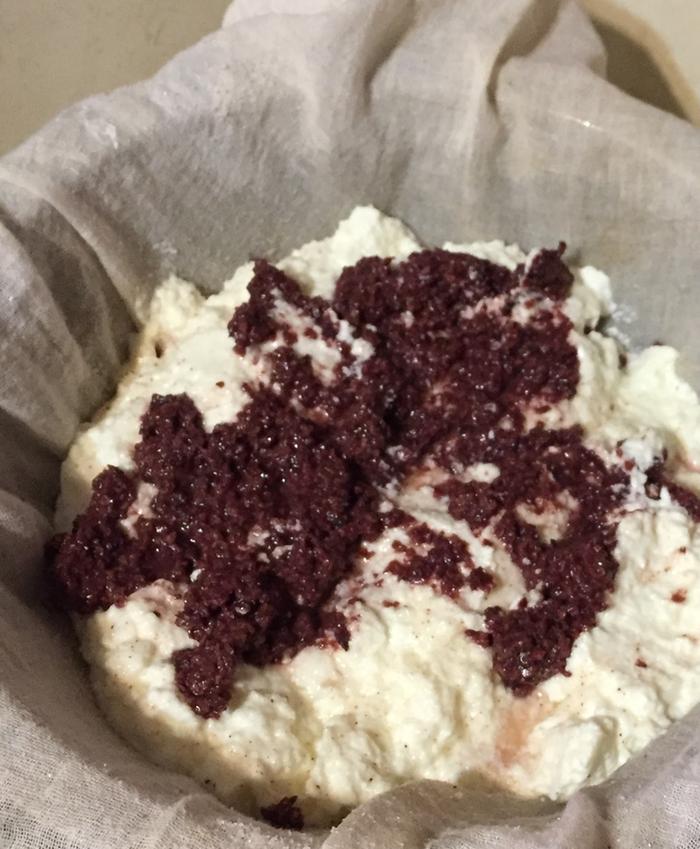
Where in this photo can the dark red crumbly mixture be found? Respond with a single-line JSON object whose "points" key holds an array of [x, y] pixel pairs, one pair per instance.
{"points": [[433, 558], [284, 814], [573, 573], [275, 508]]}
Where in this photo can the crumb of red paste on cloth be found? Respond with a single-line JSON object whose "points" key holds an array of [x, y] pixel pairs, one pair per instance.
{"points": [[284, 814]]}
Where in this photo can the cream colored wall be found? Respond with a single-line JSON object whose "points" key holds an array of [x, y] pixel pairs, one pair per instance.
{"points": [[668, 32], [53, 52]]}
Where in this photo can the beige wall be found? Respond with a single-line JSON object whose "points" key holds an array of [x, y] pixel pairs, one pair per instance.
{"points": [[655, 47], [53, 52]]}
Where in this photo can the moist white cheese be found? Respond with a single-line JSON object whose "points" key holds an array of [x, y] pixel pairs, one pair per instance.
{"points": [[412, 697]]}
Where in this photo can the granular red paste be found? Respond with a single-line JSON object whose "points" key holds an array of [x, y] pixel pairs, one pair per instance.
{"points": [[433, 558], [274, 509]]}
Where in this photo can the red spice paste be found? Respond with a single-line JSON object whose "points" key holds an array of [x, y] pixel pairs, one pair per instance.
{"points": [[273, 509]]}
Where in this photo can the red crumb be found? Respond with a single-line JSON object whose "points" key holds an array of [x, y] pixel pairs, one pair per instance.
{"points": [[481, 638], [481, 579], [679, 596]]}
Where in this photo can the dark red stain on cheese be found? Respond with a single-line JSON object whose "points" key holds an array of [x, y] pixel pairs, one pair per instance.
{"points": [[284, 814], [275, 509], [679, 596]]}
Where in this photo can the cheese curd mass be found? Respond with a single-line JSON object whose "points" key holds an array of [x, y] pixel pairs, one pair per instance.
{"points": [[420, 668]]}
